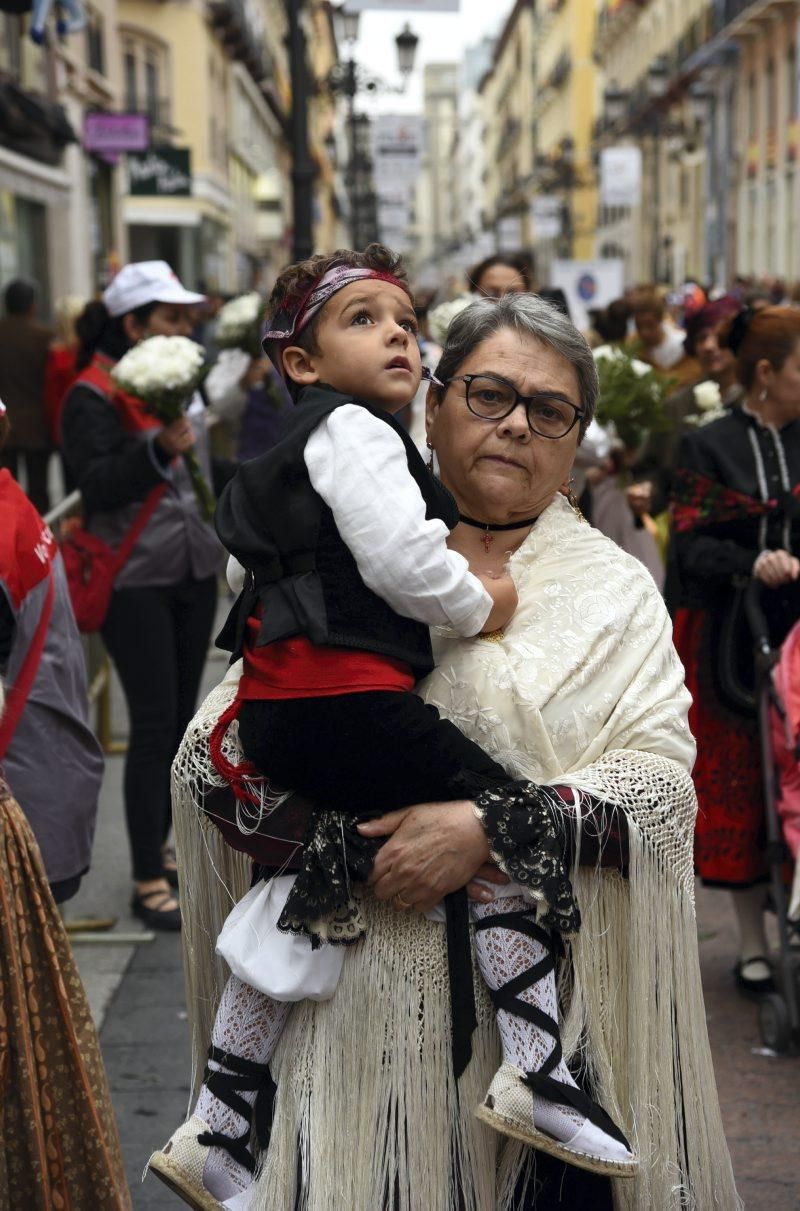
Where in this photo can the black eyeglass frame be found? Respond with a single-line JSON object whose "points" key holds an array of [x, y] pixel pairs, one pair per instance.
{"points": [[519, 398]]}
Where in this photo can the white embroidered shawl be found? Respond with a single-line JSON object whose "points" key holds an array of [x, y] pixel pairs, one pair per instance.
{"points": [[584, 688]]}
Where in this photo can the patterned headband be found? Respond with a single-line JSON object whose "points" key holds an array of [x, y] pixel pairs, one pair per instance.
{"points": [[293, 316]]}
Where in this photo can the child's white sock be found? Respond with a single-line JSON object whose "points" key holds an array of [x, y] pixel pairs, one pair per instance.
{"points": [[248, 1025]]}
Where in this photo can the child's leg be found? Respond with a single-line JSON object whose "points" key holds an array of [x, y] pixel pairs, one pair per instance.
{"points": [[517, 961], [208, 1159]]}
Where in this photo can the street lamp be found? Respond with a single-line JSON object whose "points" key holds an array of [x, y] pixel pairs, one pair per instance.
{"points": [[346, 24], [406, 42], [348, 79]]}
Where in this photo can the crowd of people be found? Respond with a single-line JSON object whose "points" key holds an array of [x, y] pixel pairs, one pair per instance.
{"points": [[519, 794]]}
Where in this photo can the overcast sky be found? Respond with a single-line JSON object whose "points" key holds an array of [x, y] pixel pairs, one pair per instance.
{"points": [[442, 37]]}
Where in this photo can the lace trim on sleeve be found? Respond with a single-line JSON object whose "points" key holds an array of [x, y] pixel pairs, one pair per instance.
{"points": [[521, 822]]}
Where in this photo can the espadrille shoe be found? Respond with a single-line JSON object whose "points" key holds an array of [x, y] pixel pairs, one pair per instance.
{"points": [[180, 1164], [508, 1108], [533, 1080]]}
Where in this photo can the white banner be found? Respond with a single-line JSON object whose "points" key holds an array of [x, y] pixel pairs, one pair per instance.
{"points": [[620, 176], [588, 284], [546, 218], [416, 6], [397, 141]]}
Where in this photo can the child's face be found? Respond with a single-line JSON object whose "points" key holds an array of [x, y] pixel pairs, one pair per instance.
{"points": [[367, 344]]}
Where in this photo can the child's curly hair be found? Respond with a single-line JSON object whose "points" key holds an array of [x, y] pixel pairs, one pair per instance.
{"points": [[296, 280]]}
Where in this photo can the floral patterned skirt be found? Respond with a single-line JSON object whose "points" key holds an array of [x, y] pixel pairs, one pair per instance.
{"points": [[730, 830], [59, 1148]]}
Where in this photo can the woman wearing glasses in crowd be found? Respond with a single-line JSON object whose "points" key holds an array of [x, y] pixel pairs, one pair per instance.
{"points": [[580, 696]]}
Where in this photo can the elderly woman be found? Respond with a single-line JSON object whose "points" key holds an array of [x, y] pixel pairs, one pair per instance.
{"points": [[582, 692]]}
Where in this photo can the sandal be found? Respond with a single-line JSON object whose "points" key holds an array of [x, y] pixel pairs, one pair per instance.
{"points": [[180, 1164], [170, 866], [751, 987], [598, 1145], [149, 907]]}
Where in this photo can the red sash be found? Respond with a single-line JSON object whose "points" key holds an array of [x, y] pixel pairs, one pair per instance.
{"points": [[27, 550], [132, 411]]}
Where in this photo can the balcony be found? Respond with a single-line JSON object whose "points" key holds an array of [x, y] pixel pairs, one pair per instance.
{"points": [[231, 21]]}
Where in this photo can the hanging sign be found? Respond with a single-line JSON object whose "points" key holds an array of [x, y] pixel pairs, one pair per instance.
{"points": [[588, 284], [546, 218], [115, 133], [162, 172]]}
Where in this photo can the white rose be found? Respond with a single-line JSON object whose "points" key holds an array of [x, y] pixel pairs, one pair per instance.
{"points": [[708, 396]]}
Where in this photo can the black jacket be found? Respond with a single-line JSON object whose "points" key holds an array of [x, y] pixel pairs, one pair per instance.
{"points": [[710, 567], [297, 565]]}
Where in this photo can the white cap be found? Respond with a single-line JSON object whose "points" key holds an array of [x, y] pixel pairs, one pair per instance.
{"points": [[146, 282]]}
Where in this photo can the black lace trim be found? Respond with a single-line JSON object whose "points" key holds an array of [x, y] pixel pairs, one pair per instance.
{"points": [[322, 903], [521, 823]]}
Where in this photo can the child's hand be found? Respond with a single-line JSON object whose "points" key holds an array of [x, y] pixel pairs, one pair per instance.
{"points": [[504, 595]]}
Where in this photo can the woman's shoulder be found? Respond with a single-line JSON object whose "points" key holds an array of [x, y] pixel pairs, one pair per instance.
{"points": [[564, 547]]}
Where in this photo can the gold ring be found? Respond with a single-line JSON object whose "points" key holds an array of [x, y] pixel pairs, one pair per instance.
{"points": [[400, 902]]}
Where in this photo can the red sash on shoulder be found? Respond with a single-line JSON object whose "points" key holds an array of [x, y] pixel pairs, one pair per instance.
{"points": [[132, 411], [27, 550], [27, 545]]}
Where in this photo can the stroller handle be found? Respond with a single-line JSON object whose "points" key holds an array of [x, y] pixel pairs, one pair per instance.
{"points": [[756, 619]]}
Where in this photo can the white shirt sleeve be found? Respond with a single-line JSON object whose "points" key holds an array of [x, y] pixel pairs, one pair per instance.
{"points": [[234, 574], [360, 469]]}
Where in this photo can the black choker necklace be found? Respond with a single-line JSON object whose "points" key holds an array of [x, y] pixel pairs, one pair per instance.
{"points": [[488, 527]]}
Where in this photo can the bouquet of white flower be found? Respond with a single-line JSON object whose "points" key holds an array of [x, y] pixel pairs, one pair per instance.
{"points": [[164, 372], [631, 396], [239, 324], [440, 319], [710, 407]]}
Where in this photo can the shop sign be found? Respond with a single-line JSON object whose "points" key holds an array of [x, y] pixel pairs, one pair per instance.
{"points": [[416, 6], [111, 134], [162, 172], [620, 176]]}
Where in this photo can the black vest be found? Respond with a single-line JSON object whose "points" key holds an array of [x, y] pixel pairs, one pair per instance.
{"points": [[297, 565]]}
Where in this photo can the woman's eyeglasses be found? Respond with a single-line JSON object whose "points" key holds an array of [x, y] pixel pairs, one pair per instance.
{"points": [[493, 398]]}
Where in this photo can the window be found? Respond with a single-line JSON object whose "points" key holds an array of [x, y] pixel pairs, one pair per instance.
{"points": [[95, 46], [152, 100], [772, 96], [752, 107], [792, 83], [129, 67]]}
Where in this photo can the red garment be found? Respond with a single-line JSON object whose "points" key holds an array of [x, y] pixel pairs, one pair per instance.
{"points": [[133, 411], [297, 668], [730, 831], [27, 546], [59, 375]]}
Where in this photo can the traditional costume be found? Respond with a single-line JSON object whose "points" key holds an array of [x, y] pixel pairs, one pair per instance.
{"points": [[341, 531], [583, 690], [735, 495]]}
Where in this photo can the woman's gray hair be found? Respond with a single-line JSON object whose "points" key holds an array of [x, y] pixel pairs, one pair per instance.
{"points": [[528, 315]]}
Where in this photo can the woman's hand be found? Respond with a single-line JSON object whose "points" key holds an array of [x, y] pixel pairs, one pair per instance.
{"points": [[177, 438], [433, 849], [775, 568]]}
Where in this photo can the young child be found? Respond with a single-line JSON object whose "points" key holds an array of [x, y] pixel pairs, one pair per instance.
{"points": [[341, 531]]}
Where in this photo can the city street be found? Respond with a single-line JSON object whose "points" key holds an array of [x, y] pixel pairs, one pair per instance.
{"points": [[136, 993]]}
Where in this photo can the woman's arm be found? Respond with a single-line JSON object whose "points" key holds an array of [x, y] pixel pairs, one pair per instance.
{"points": [[112, 467], [713, 557]]}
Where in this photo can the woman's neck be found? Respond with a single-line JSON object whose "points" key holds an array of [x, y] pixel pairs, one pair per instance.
{"points": [[490, 550], [768, 412]]}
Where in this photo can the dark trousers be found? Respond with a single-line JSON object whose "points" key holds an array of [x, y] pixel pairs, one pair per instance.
{"points": [[37, 463], [158, 639], [364, 754]]}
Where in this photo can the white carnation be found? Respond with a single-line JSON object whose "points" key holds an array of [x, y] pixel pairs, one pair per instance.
{"points": [[158, 364], [237, 318], [708, 396]]}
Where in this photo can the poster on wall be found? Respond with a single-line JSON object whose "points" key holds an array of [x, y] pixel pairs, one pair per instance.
{"points": [[588, 284]]}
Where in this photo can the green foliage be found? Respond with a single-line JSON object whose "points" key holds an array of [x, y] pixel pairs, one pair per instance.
{"points": [[632, 397]]}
